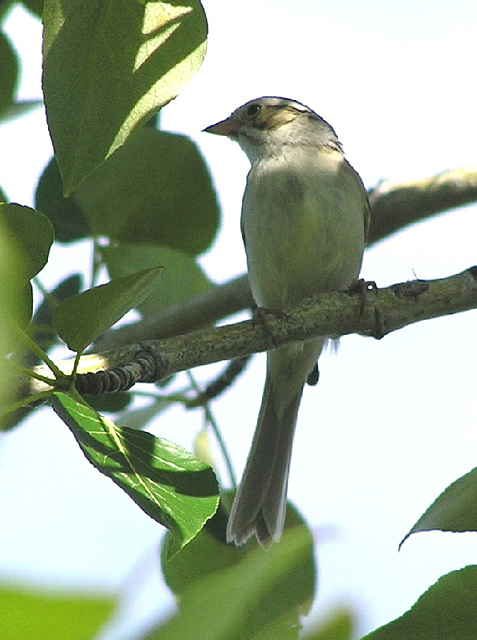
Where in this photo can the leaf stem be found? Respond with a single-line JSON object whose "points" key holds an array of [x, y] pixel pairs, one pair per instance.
{"points": [[38, 351], [25, 402], [216, 431], [29, 372]]}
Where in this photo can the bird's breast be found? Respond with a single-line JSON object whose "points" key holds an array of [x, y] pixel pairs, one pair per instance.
{"points": [[303, 226]]}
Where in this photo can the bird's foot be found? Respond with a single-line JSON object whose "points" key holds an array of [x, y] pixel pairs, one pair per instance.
{"points": [[261, 314], [361, 287]]}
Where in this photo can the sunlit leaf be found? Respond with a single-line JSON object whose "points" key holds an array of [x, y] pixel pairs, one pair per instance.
{"points": [[169, 484], [108, 67], [447, 611], [85, 316]]}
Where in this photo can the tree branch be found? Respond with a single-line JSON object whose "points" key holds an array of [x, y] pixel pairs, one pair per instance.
{"points": [[375, 313], [393, 207], [196, 313]]}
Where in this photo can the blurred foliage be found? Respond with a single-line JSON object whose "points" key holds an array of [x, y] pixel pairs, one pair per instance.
{"points": [[44, 615]]}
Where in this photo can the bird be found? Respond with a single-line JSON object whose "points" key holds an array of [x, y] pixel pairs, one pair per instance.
{"points": [[304, 221]]}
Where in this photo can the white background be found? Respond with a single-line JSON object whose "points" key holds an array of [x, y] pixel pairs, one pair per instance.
{"points": [[391, 423]]}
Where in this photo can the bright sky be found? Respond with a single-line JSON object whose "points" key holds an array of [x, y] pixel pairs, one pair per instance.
{"points": [[391, 423]]}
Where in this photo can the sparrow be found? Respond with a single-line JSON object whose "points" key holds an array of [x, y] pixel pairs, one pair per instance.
{"points": [[305, 215]]}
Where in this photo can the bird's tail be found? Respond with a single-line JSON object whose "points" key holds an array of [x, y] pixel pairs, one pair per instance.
{"points": [[259, 505]]}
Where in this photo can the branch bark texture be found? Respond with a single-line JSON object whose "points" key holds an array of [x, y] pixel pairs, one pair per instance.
{"points": [[375, 313]]}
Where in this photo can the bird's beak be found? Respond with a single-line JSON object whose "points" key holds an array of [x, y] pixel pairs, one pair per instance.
{"points": [[226, 127]]}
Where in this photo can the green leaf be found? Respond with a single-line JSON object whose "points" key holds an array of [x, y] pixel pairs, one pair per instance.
{"points": [[4, 8], [18, 109], [208, 552], [15, 310], [259, 598], [108, 66], [182, 278], [68, 287], [43, 615], [31, 232], [25, 240], [171, 485], [82, 318], [35, 6], [447, 611], [338, 626], [65, 214], [454, 510], [8, 73], [111, 402], [41, 329], [154, 190]]}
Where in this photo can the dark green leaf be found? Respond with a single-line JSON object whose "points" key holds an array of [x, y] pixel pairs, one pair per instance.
{"points": [[154, 190], [65, 214], [169, 484], [35, 6], [43, 615], [4, 7], [260, 598], [108, 67], [208, 552], [182, 278], [18, 109], [31, 232], [68, 287], [8, 73], [41, 330], [82, 318], [454, 510], [447, 611], [111, 402]]}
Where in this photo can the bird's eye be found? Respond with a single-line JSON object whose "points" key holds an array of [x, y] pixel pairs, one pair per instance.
{"points": [[253, 109]]}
